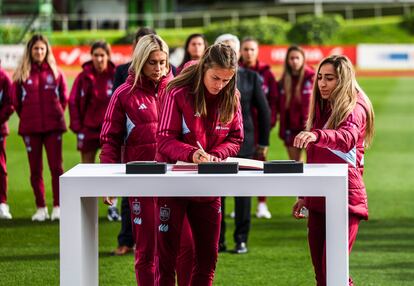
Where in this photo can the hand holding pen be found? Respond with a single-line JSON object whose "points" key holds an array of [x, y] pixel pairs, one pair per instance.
{"points": [[200, 155]]}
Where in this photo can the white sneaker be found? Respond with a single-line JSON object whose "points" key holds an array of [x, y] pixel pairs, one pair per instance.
{"points": [[41, 214], [5, 212], [55, 214], [263, 211]]}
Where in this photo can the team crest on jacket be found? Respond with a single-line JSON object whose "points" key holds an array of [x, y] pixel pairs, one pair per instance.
{"points": [[164, 214], [49, 79], [136, 208]]}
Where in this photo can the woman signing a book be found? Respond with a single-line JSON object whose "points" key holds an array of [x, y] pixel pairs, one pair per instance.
{"points": [[202, 104]]}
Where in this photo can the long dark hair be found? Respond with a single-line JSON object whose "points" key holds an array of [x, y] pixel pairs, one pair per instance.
{"points": [[288, 73], [220, 56], [187, 56]]}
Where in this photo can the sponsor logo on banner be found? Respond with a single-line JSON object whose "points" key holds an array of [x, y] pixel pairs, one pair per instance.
{"points": [[163, 228], [164, 214], [136, 208]]}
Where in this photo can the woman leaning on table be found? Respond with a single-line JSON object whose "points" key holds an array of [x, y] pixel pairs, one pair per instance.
{"points": [[339, 127], [130, 123], [39, 97], [202, 105]]}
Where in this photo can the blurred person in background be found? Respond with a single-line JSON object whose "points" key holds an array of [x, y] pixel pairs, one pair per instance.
{"points": [[125, 237], [293, 105], [6, 109], [89, 98], [39, 98], [194, 48], [251, 95], [250, 59], [129, 134], [340, 126]]}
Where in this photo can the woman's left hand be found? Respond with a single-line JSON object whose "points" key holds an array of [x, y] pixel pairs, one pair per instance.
{"points": [[303, 139]]}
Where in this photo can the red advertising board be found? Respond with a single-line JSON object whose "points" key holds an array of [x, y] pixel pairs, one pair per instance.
{"points": [[275, 55], [77, 55]]}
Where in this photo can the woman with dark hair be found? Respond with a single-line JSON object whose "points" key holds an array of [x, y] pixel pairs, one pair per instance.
{"points": [[89, 99], [39, 97], [202, 106], [339, 127], [129, 133], [295, 92], [194, 47]]}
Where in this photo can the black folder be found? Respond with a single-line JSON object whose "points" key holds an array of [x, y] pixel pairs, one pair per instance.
{"points": [[283, 166], [218, 168], [146, 167]]}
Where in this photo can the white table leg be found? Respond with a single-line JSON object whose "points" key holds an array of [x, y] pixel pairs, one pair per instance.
{"points": [[337, 236], [78, 238]]}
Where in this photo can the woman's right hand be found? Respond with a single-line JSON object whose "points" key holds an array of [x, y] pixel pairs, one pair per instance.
{"points": [[299, 204], [108, 201], [201, 156]]}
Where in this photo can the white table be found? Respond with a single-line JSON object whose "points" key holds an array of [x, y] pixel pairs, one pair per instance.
{"points": [[81, 187]]}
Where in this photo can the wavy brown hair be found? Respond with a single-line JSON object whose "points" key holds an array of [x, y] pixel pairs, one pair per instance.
{"points": [[343, 98], [216, 56], [23, 70]]}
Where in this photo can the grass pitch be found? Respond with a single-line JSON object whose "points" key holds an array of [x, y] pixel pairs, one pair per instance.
{"points": [[278, 252]]}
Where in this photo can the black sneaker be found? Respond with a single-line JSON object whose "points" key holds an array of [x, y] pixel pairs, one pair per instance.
{"points": [[113, 214], [222, 247], [241, 248]]}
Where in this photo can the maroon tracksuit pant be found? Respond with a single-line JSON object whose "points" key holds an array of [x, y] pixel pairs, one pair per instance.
{"points": [[3, 170], [144, 233], [204, 218], [317, 242], [53, 145]]}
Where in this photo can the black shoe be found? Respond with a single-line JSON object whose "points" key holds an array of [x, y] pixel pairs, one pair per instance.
{"points": [[241, 248], [222, 247]]}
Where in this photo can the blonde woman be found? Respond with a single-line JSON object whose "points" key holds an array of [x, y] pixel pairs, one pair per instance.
{"points": [[39, 97], [340, 126], [130, 124]]}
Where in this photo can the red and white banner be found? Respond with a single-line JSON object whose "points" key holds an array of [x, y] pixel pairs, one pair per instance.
{"points": [[77, 55], [275, 55]]}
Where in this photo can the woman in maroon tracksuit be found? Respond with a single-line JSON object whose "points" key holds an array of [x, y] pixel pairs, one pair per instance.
{"points": [[249, 59], [293, 105], [39, 97], [202, 104], [89, 99], [6, 109], [131, 122], [340, 125]]}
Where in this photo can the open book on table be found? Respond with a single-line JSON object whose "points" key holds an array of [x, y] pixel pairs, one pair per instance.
{"points": [[244, 164]]}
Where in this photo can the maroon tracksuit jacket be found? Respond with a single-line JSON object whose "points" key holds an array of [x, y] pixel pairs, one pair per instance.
{"points": [[293, 119], [131, 121], [6, 109], [40, 102], [89, 98], [180, 128], [342, 145]]}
